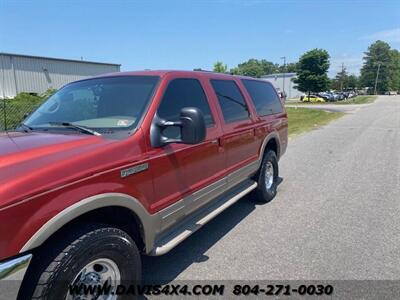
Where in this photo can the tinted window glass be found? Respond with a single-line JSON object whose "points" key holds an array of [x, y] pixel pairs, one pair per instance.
{"points": [[265, 99], [182, 93], [115, 103], [231, 100]]}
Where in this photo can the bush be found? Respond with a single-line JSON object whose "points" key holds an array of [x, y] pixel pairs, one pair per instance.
{"points": [[48, 93], [18, 108]]}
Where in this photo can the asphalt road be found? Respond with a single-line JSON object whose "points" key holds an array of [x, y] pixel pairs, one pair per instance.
{"points": [[336, 215]]}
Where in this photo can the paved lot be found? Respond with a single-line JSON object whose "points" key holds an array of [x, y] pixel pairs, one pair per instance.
{"points": [[336, 216]]}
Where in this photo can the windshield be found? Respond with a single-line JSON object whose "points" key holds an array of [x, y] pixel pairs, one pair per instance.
{"points": [[105, 104]]}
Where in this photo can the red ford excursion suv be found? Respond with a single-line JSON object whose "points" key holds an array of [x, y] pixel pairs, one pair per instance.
{"points": [[125, 164]]}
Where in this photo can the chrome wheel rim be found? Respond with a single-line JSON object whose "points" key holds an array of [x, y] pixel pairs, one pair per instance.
{"points": [[98, 272], [269, 175]]}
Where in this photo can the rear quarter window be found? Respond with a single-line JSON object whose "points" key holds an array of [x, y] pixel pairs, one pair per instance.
{"points": [[230, 99], [264, 97]]}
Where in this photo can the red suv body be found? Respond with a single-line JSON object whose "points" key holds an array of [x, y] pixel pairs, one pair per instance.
{"points": [[89, 156]]}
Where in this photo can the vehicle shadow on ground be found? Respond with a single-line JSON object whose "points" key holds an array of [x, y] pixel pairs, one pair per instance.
{"points": [[165, 268]]}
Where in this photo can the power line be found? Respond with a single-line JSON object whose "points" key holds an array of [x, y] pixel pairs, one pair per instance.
{"points": [[284, 74]]}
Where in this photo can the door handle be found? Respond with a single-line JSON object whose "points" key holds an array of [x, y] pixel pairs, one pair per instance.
{"points": [[217, 141]]}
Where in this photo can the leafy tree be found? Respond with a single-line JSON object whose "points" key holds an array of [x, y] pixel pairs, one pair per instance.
{"points": [[344, 81], [340, 80], [395, 70], [379, 55], [312, 72], [332, 84], [351, 82], [255, 68], [220, 67], [289, 68]]}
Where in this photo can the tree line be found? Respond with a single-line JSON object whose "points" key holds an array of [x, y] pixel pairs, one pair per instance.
{"points": [[381, 66]]}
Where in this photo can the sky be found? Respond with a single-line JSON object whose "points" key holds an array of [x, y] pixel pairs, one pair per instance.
{"points": [[172, 34]]}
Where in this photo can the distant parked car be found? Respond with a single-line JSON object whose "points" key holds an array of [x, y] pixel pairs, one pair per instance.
{"points": [[352, 94], [313, 99], [342, 95], [346, 94], [282, 95], [326, 96], [336, 96], [391, 93]]}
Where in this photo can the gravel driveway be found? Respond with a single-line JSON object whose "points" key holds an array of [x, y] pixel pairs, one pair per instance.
{"points": [[336, 216]]}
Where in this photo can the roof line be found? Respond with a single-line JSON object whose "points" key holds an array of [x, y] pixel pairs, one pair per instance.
{"points": [[59, 59], [278, 74]]}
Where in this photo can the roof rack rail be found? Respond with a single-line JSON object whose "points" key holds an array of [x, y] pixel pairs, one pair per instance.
{"points": [[208, 71]]}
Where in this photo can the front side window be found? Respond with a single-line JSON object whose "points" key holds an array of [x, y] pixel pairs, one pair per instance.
{"points": [[264, 97], [230, 100], [180, 93], [105, 104]]}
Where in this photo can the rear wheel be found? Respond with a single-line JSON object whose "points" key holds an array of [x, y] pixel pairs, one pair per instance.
{"points": [[104, 256], [267, 178]]}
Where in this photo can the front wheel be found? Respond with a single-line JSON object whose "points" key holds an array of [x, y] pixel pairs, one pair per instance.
{"points": [[102, 256], [267, 178]]}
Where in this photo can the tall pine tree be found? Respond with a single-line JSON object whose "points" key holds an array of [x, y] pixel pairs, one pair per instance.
{"points": [[378, 56]]}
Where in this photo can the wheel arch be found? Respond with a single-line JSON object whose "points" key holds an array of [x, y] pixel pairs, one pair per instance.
{"points": [[147, 223], [271, 141]]}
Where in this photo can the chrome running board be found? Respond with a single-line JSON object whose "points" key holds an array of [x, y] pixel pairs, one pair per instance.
{"points": [[192, 223]]}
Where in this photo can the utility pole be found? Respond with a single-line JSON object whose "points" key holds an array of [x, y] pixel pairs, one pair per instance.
{"points": [[284, 74], [376, 79], [342, 78]]}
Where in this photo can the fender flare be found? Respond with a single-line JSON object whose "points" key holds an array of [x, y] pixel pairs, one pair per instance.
{"points": [[149, 222], [270, 136]]}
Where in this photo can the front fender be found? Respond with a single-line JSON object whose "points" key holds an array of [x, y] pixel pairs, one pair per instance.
{"points": [[149, 223]]}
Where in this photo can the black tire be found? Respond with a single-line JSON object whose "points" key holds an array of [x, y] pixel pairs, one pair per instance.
{"points": [[57, 268], [264, 193]]}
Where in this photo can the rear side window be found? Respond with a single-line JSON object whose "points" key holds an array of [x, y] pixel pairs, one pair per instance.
{"points": [[265, 99], [230, 100], [180, 93]]}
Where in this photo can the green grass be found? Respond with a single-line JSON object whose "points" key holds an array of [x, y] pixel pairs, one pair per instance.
{"points": [[305, 119], [358, 100], [355, 100]]}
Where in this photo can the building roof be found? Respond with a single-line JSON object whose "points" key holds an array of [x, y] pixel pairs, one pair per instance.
{"points": [[178, 73], [59, 59], [279, 75]]}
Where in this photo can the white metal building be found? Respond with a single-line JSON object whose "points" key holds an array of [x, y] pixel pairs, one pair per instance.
{"points": [[35, 74], [283, 81]]}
